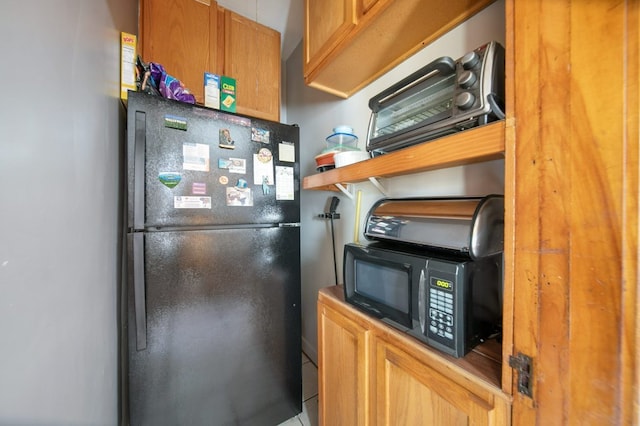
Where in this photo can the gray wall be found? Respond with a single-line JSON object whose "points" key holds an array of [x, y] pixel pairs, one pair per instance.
{"points": [[61, 122], [318, 113]]}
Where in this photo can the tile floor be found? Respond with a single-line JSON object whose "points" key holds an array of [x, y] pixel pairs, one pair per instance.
{"points": [[309, 415]]}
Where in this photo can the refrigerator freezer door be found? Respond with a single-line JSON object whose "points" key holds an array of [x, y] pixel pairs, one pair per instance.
{"points": [[222, 328], [194, 166]]}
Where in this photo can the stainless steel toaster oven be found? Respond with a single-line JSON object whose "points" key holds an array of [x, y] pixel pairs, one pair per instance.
{"points": [[443, 97]]}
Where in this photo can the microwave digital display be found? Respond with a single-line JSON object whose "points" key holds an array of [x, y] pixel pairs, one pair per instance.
{"points": [[442, 284], [383, 284]]}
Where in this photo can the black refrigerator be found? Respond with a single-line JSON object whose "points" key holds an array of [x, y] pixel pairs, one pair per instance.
{"points": [[210, 304]]}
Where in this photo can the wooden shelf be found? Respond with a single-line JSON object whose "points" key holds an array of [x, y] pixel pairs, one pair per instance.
{"points": [[470, 146]]}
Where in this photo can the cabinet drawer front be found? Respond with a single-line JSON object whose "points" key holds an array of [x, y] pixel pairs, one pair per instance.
{"points": [[409, 391]]}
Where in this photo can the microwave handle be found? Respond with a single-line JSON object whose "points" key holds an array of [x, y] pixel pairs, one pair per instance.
{"points": [[445, 66], [422, 302]]}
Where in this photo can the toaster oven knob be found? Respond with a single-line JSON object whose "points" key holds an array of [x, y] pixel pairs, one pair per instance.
{"points": [[465, 100], [467, 79], [469, 60]]}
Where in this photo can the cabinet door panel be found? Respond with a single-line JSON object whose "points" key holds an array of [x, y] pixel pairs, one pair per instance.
{"points": [[366, 5], [343, 367], [411, 392], [252, 57], [326, 24], [181, 35]]}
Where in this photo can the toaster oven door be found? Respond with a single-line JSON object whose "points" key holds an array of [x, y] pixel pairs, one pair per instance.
{"points": [[425, 97]]}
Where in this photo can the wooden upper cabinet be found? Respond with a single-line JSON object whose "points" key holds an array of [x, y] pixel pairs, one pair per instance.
{"points": [[182, 36], [252, 57], [366, 5], [191, 37], [326, 24], [350, 43]]}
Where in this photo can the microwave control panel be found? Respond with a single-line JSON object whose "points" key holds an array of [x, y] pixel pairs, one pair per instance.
{"points": [[442, 310]]}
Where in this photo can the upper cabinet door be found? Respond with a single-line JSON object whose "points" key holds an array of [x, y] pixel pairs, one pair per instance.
{"points": [[366, 5], [252, 57], [327, 23], [350, 43], [181, 35]]}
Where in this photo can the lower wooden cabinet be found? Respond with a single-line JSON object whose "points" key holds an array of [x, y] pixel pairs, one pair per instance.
{"points": [[371, 374], [343, 366], [409, 391]]}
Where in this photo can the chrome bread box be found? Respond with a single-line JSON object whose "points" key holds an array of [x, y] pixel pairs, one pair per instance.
{"points": [[468, 225]]}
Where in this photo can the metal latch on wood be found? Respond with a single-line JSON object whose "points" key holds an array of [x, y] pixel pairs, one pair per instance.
{"points": [[523, 365]]}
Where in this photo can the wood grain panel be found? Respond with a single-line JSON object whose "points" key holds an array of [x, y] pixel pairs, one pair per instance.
{"points": [[343, 370], [509, 200], [327, 22], [596, 172], [252, 57], [180, 35], [388, 34], [576, 209], [630, 371], [410, 392]]}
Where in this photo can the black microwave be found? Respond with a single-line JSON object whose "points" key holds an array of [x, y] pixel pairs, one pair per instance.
{"points": [[446, 300]]}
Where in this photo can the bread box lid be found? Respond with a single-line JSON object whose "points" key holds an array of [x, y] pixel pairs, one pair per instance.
{"points": [[470, 225]]}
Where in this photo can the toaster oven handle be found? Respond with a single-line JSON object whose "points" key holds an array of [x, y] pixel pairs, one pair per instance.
{"points": [[444, 66]]}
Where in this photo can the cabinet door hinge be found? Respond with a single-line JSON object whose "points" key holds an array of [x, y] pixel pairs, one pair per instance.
{"points": [[523, 365]]}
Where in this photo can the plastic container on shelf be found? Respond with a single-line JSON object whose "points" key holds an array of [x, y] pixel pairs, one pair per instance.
{"points": [[344, 158], [342, 136]]}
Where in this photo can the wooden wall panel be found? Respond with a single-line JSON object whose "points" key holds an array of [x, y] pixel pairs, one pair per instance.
{"points": [[576, 209], [630, 362]]}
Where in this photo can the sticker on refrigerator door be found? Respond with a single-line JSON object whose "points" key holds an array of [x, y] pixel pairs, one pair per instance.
{"points": [[175, 122], [263, 167], [188, 202], [239, 195], [195, 157], [265, 186], [284, 183], [170, 179], [225, 140], [287, 152], [198, 188], [264, 155], [260, 135], [234, 165]]}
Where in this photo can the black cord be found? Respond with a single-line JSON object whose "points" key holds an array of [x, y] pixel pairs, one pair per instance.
{"points": [[495, 107], [333, 215], [333, 242]]}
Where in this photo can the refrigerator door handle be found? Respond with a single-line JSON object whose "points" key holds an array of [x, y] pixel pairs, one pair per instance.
{"points": [[139, 170], [139, 296]]}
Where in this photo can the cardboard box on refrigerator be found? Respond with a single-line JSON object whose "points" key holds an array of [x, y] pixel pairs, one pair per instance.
{"points": [[211, 90], [227, 94], [127, 64]]}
